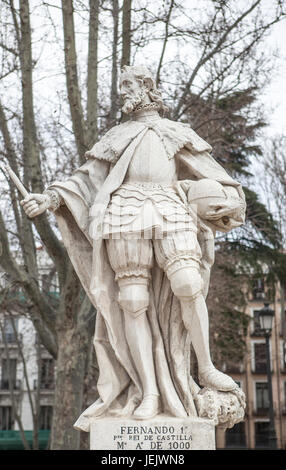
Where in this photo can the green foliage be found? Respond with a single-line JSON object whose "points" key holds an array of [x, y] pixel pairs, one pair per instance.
{"points": [[263, 222], [229, 340], [253, 250], [227, 302]]}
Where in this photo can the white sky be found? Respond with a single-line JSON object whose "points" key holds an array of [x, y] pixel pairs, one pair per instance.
{"points": [[275, 100], [275, 95]]}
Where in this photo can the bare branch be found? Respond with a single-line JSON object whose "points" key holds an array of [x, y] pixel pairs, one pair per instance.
{"points": [[207, 56], [73, 89], [167, 21]]}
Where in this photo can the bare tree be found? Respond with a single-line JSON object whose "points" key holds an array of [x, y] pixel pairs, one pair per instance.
{"points": [[62, 327], [224, 38], [114, 72], [92, 106], [12, 310], [15, 400], [272, 182], [73, 89], [126, 33]]}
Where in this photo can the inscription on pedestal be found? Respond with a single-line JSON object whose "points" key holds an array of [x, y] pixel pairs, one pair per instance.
{"points": [[154, 437], [168, 434]]}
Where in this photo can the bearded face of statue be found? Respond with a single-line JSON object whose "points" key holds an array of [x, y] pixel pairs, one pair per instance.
{"points": [[132, 92]]}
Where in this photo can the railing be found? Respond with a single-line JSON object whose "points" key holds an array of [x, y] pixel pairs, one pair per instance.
{"points": [[259, 369], [256, 331], [234, 368], [10, 338], [44, 385], [261, 412], [235, 440], [5, 384], [258, 295]]}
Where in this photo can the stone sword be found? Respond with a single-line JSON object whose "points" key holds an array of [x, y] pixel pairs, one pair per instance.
{"points": [[15, 180]]}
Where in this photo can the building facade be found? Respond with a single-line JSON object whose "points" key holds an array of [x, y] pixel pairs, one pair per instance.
{"points": [[251, 374], [27, 377], [26, 384]]}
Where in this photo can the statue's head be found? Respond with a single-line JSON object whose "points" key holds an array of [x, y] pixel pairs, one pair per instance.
{"points": [[137, 88]]}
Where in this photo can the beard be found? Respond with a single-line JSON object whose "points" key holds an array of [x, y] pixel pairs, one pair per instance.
{"points": [[131, 103]]}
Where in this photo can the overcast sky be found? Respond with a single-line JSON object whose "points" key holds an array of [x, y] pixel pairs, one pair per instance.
{"points": [[276, 92]]}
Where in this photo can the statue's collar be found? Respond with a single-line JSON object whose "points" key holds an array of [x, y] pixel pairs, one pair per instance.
{"points": [[145, 114]]}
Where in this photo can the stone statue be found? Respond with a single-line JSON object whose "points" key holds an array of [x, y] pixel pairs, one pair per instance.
{"points": [[138, 220]]}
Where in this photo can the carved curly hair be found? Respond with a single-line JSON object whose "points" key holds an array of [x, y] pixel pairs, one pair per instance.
{"points": [[145, 77]]}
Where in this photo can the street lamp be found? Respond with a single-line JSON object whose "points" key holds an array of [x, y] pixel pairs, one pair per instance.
{"points": [[266, 316]]}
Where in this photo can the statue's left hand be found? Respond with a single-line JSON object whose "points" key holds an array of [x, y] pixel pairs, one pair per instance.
{"points": [[35, 204], [217, 211]]}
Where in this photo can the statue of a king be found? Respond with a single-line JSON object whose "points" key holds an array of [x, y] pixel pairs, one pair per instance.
{"points": [[139, 220]]}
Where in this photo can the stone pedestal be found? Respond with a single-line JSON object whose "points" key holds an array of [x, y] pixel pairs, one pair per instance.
{"points": [[161, 433]]}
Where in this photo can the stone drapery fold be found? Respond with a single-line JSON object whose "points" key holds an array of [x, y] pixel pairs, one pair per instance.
{"points": [[86, 195]]}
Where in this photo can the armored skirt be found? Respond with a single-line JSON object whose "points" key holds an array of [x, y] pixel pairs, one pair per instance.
{"points": [[144, 220]]}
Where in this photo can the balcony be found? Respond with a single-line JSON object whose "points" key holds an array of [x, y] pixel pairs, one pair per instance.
{"points": [[261, 412], [5, 385], [259, 369], [234, 368], [10, 340], [256, 332], [44, 385], [258, 295]]}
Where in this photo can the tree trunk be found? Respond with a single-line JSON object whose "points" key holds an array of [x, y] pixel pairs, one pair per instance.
{"points": [[73, 88], [70, 372], [92, 105], [126, 33], [114, 74]]}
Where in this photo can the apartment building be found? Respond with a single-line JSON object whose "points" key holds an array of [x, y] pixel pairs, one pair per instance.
{"points": [[26, 384], [27, 374], [252, 376]]}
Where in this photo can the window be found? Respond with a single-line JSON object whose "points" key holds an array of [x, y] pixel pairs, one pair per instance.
{"points": [[262, 399], [260, 358], [6, 418], [9, 369], [47, 373], [256, 324], [258, 289], [9, 330], [45, 417], [235, 437], [283, 358], [50, 283], [262, 434]]}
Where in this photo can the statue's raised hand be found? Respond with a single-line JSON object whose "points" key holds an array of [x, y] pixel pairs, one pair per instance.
{"points": [[35, 204]]}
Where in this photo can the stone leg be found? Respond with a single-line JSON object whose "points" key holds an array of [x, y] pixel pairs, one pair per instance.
{"points": [[131, 260], [186, 284], [179, 255], [134, 300]]}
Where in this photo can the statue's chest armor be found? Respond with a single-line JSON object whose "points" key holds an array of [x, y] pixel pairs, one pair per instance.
{"points": [[150, 162]]}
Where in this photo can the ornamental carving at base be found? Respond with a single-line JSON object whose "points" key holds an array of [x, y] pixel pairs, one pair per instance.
{"points": [[224, 408]]}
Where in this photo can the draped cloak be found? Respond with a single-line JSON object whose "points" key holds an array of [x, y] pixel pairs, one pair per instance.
{"points": [[86, 195]]}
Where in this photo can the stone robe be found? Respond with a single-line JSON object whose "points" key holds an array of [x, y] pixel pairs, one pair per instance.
{"points": [[86, 195]]}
